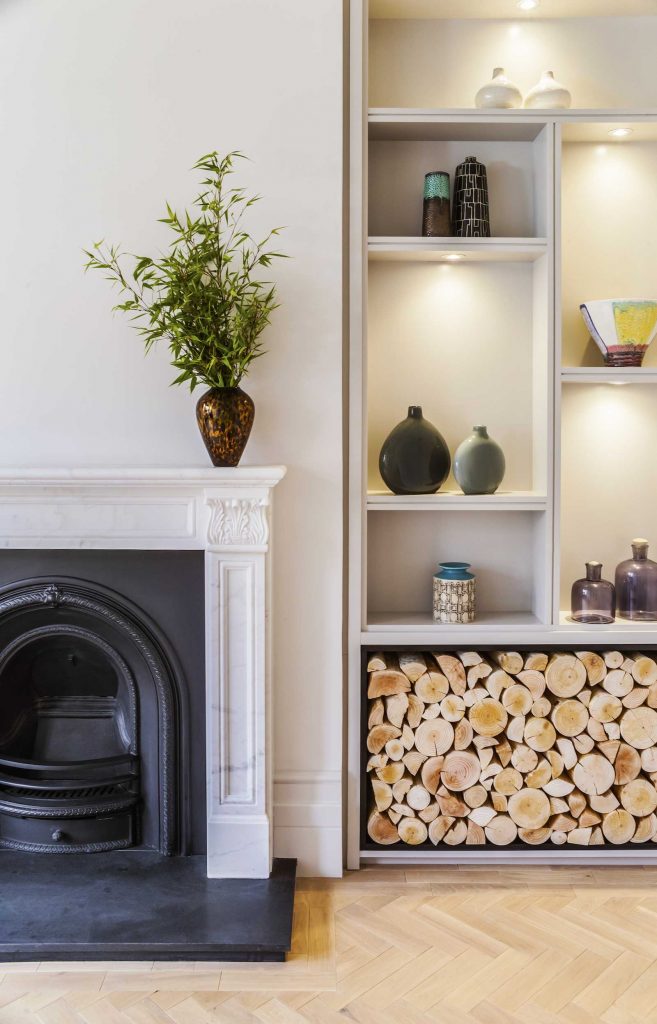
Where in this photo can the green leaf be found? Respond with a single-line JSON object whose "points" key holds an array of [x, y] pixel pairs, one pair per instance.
{"points": [[203, 297]]}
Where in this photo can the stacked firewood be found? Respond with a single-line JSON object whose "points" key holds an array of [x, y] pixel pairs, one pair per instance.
{"points": [[500, 747]]}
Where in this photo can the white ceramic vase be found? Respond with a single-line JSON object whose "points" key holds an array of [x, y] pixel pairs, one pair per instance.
{"points": [[499, 93], [548, 94]]}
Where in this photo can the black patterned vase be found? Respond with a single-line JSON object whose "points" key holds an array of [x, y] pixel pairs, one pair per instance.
{"points": [[470, 218]]}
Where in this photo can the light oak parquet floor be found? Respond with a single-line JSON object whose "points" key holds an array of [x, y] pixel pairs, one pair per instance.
{"points": [[393, 946]]}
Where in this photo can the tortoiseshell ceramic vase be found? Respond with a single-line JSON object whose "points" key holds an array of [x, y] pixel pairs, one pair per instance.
{"points": [[225, 417]]}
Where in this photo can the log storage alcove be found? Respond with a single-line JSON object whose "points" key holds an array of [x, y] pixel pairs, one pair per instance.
{"points": [[502, 748]]}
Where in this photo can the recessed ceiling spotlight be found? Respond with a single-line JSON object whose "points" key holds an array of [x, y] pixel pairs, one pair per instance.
{"points": [[453, 256], [620, 133], [527, 5]]}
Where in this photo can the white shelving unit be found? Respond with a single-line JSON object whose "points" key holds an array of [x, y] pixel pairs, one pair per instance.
{"points": [[495, 336]]}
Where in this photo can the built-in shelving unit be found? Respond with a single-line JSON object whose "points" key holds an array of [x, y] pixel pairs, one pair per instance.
{"points": [[489, 330]]}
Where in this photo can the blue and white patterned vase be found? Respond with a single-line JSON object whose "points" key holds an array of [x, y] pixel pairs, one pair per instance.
{"points": [[454, 593]]}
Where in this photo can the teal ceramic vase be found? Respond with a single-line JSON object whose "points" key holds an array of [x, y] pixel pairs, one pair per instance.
{"points": [[414, 458], [479, 463], [436, 221], [454, 593]]}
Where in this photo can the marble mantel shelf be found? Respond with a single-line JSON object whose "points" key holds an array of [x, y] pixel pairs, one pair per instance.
{"points": [[199, 475], [150, 508], [227, 514]]}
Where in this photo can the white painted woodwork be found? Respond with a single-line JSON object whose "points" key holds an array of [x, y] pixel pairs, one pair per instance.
{"points": [[508, 501], [484, 250], [609, 375], [437, 124], [226, 513], [433, 325]]}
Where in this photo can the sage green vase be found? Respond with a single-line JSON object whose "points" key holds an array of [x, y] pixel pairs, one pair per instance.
{"points": [[479, 463]]}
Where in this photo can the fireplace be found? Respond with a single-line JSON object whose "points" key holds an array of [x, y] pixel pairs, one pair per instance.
{"points": [[134, 717], [91, 694], [89, 736]]}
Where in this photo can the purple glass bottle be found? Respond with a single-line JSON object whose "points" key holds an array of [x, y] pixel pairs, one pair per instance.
{"points": [[593, 599], [636, 584]]}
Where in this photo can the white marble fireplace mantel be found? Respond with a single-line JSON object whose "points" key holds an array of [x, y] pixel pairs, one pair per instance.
{"points": [[226, 513]]}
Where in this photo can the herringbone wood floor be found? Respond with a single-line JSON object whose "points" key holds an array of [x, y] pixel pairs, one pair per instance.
{"points": [[419, 946]]}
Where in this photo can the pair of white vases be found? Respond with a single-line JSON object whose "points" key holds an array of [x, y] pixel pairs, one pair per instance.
{"points": [[500, 93]]}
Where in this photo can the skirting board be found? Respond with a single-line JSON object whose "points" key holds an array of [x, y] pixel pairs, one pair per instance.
{"points": [[552, 858], [308, 821]]}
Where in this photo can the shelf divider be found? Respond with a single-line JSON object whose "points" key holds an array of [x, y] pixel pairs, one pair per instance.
{"points": [[514, 250], [501, 501], [608, 375]]}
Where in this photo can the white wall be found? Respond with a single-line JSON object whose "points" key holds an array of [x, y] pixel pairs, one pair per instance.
{"points": [[105, 106]]}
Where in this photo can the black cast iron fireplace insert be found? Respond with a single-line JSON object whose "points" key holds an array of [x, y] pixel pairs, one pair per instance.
{"points": [[89, 707]]}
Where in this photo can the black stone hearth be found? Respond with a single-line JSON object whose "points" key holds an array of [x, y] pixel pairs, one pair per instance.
{"points": [[152, 908]]}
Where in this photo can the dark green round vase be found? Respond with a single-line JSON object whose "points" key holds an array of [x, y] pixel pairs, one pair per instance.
{"points": [[414, 458]]}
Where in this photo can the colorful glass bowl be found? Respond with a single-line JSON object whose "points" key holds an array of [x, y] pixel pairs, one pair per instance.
{"points": [[621, 328]]}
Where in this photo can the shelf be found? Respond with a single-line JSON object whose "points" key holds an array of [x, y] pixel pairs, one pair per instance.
{"points": [[619, 626], [488, 250], [509, 501], [419, 627], [470, 124], [401, 124], [608, 375], [422, 622]]}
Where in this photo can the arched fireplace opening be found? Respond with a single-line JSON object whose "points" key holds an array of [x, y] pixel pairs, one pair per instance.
{"points": [[90, 724]]}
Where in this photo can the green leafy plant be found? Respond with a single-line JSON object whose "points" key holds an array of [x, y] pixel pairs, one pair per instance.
{"points": [[204, 295]]}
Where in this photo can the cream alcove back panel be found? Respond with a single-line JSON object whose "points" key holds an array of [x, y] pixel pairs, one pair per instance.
{"points": [[605, 62], [609, 220], [608, 478], [106, 107], [456, 340]]}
